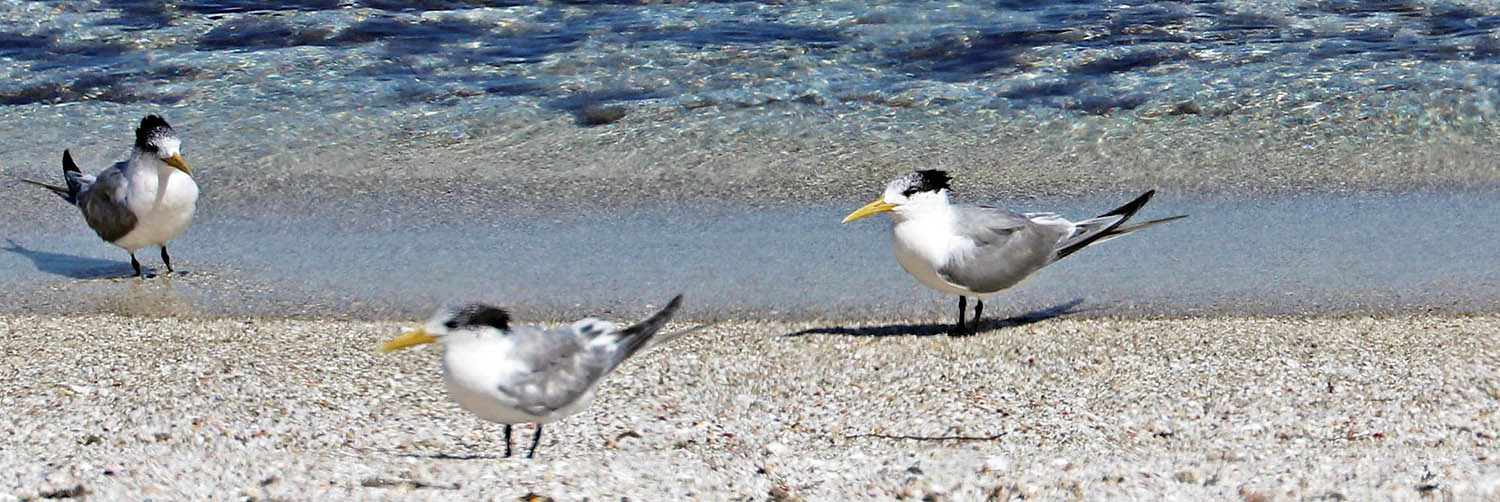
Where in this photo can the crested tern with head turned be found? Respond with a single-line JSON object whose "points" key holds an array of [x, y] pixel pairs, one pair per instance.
{"points": [[146, 199], [525, 374], [980, 250]]}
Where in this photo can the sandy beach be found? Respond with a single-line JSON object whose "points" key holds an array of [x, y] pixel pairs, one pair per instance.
{"points": [[1405, 408], [1325, 325]]}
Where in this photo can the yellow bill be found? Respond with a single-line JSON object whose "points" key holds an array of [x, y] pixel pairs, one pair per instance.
{"points": [[176, 161], [871, 209], [407, 339]]}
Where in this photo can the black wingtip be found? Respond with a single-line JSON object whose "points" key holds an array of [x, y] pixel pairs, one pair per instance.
{"points": [[672, 305], [1124, 212], [659, 319], [69, 179], [636, 336], [1131, 207], [68, 164]]}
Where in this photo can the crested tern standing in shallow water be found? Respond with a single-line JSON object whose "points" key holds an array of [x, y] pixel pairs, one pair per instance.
{"points": [[147, 199], [979, 250], [525, 374]]}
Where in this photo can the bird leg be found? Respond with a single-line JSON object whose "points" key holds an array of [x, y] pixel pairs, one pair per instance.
{"points": [[963, 304], [135, 264], [507, 440], [166, 259], [534, 440], [978, 308]]}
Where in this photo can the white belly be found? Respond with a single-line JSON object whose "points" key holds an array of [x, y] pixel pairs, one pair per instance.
{"points": [[163, 208], [472, 375], [921, 248], [922, 269], [485, 403]]}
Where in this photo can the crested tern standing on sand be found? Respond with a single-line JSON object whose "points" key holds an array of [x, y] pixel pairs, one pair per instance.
{"points": [[979, 250], [525, 374], [147, 199]]}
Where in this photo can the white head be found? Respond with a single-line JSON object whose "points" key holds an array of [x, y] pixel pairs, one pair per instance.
{"points": [[450, 321], [909, 192], [156, 139]]}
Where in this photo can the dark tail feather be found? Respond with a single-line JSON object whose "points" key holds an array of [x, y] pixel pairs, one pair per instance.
{"points": [[1124, 212], [74, 186], [636, 336], [69, 193]]}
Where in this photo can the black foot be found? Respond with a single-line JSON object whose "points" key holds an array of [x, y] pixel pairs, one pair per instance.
{"points": [[165, 259], [967, 328], [136, 264], [507, 440], [534, 440], [978, 309], [958, 329]]}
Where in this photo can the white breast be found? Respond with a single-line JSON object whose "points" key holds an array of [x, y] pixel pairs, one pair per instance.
{"points": [[923, 244], [472, 371], [163, 202]]}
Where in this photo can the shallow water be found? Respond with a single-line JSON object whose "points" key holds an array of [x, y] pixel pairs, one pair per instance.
{"points": [[375, 159], [1346, 255], [1211, 57], [770, 99]]}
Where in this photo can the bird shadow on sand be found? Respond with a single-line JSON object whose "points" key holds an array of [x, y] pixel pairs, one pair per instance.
{"points": [[76, 267], [986, 325]]}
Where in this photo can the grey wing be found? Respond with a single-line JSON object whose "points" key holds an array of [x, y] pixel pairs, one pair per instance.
{"points": [[103, 204], [1008, 248], [562, 368]]}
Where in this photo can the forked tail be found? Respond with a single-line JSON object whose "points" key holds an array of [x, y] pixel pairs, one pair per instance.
{"points": [[71, 175], [1108, 226]]}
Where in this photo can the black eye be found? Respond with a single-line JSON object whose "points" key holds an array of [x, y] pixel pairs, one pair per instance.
{"points": [[909, 192], [451, 324]]}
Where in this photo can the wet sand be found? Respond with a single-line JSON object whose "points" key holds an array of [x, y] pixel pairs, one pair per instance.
{"points": [[1355, 408], [402, 259]]}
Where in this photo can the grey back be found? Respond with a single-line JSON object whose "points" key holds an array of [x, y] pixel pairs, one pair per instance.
{"points": [[562, 368], [1009, 248]]}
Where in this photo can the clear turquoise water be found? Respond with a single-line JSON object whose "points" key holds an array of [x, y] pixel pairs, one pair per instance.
{"points": [[1088, 57], [803, 100]]}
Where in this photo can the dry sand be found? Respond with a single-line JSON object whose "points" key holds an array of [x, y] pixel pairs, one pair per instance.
{"points": [[126, 408]]}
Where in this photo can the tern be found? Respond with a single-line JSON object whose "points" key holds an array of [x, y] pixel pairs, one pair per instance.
{"points": [[525, 374], [147, 199], [979, 251]]}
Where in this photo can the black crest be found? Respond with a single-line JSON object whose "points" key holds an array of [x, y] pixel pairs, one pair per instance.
{"points": [[479, 315], [930, 180], [152, 127]]}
